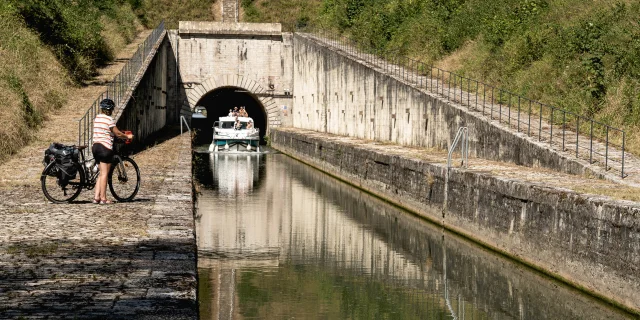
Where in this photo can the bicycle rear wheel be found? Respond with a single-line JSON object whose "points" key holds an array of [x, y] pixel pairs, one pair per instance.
{"points": [[54, 191], [124, 179]]}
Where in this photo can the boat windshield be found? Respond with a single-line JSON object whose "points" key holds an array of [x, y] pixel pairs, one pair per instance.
{"points": [[231, 124]]}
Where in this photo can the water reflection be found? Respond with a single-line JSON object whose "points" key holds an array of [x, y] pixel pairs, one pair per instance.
{"points": [[307, 246]]}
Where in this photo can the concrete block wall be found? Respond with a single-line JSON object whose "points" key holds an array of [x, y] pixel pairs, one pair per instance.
{"points": [[253, 56], [338, 95]]}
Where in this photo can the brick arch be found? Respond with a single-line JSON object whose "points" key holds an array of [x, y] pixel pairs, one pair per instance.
{"points": [[197, 91]]}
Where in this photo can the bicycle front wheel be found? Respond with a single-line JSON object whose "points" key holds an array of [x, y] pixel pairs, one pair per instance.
{"points": [[57, 191], [124, 179]]}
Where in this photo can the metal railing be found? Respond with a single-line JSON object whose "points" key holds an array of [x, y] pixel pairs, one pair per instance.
{"points": [[184, 120], [585, 137], [462, 136], [122, 85]]}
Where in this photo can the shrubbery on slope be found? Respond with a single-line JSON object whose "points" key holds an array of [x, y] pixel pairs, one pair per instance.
{"points": [[46, 46], [578, 55]]}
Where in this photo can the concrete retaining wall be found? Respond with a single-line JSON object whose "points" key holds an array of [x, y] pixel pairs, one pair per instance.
{"points": [[591, 243], [339, 95], [146, 112]]}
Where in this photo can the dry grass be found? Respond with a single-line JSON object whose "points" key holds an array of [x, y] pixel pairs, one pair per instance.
{"points": [[459, 58], [116, 36], [173, 11], [289, 13], [32, 83], [216, 10], [618, 192]]}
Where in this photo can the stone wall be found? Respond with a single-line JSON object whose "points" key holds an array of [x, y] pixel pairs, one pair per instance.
{"points": [[589, 242], [257, 57], [339, 95], [230, 10]]}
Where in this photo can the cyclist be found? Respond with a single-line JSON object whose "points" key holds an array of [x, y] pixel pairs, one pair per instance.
{"points": [[104, 129]]}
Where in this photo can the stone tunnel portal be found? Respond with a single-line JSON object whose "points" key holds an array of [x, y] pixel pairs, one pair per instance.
{"points": [[219, 101]]}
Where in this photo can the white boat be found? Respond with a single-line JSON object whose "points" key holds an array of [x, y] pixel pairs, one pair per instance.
{"points": [[226, 135]]}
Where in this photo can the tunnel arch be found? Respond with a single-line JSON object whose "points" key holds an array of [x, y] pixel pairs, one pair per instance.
{"points": [[219, 101], [197, 91]]}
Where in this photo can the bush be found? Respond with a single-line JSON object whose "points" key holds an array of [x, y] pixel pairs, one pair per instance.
{"points": [[583, 56], [72, 29]]}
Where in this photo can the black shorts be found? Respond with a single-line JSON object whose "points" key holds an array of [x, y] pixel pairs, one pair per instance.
{"points": [[101, 153]]}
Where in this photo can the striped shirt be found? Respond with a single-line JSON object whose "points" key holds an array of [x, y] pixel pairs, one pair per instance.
{"points": [[102, 130]]}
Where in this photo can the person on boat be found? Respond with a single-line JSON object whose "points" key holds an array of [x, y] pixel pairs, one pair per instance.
{"points": [[230, 113], [250, 124], [235, 112], [238, 124], [243, 112]]}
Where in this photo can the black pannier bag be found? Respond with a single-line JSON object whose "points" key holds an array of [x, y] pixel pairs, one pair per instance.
{"points": [[65, 157]]}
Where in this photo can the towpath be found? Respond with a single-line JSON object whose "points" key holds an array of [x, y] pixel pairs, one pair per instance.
{"points": [[80, 260]]}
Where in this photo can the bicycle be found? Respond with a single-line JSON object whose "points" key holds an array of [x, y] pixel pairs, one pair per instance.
{"points": [[123, 183]]}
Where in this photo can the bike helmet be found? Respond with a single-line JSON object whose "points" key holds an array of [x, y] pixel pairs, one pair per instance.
{"points": [[107, 104]]}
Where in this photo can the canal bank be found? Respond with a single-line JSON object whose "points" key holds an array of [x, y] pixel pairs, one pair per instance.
{"points": [[531, 215], [132, 260]]}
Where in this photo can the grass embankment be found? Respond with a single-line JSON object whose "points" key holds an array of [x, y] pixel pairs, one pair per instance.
{"points": [[292, 14], [582, 56], [46, 47], [151, 12]]}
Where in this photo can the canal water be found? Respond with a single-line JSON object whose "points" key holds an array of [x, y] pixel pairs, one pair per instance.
{"points": [[280, 240]]}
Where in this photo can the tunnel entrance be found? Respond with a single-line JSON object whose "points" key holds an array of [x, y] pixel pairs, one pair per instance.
{"points": [[218, 102]]}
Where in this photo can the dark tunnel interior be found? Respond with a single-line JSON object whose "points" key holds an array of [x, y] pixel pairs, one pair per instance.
{"points": [[218, 102]]}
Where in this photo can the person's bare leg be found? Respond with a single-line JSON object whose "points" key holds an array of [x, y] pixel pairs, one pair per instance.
{"points": [[102, 182], [96, 195]]}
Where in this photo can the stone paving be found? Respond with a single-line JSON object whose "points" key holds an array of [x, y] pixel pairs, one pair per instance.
{"points": [[80, 260]]}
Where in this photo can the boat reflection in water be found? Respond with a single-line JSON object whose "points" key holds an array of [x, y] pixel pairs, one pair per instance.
{"points": [[236, 174], [291, 242]]}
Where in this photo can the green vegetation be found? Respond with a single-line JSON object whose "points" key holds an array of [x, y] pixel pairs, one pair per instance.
{"points": [[151, 12], [73, 30], [292, 14], [48, 47], [582, 56], [32, 81]]}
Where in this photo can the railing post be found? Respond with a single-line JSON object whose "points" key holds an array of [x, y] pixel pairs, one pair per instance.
{"points": [[577, 135], [469, 93], [540, 124], [491, 117], [509, 108], [591, 143], [606, 151], [518, 113], [564, 119], [551, 125], [477, 89], [500, 106], [622, 168], [529, 121], [484, 96]]}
